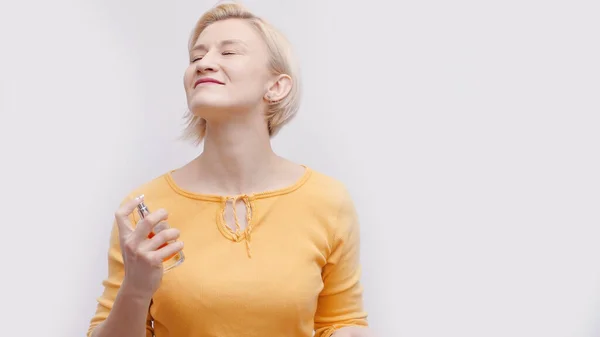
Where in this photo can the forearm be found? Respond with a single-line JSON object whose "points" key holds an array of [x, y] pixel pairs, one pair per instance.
{"points": [[127, 317]]}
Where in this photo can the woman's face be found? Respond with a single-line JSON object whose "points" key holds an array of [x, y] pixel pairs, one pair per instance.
{"points": [[228, 70]]}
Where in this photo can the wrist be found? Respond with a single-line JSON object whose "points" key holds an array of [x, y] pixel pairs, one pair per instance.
{"points": [[132, 293]]}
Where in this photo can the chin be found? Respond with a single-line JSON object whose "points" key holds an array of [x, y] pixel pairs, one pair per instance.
{"points": [[210, 110], [207, 103], [208, 106]]}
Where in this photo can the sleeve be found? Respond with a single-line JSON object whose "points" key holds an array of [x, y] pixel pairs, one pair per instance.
{"points": [[340, 303], [112, 283]]}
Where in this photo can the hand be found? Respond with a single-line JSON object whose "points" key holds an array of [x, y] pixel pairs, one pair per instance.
{"points": [[143, 257]]}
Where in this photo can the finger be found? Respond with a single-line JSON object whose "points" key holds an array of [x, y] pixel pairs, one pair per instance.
{"points": [[145, 226], [167, 251], [160, 239], [122, 214]]}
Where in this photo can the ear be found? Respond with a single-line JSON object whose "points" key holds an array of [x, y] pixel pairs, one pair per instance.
{"points": [[279, 89]]}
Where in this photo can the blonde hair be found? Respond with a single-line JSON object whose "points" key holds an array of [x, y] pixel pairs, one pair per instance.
{"points": [[281, 62]]}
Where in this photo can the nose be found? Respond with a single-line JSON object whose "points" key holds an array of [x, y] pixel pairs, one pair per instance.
{"points": [[204, 68], [206, 64]]}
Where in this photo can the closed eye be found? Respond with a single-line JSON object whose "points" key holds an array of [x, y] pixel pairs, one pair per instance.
{"points": [[198, 58]]}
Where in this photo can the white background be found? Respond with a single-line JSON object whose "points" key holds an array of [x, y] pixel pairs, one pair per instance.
{"points": [[467, 131]]}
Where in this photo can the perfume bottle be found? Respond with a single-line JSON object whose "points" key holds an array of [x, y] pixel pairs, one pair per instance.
{"points": [[173, 260]]}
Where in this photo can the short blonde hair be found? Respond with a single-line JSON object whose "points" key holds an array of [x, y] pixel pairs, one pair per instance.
{"points": [[281, 62]]}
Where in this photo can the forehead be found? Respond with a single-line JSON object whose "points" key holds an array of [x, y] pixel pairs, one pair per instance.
{"points": [[230, 30]]}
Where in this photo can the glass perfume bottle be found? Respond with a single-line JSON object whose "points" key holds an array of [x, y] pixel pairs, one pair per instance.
{"points": [[173, 260]]}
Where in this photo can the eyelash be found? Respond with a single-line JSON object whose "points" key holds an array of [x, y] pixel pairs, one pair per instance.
{"points": [[225, 53]]}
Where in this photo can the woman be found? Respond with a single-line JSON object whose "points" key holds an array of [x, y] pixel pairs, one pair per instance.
{"points": [[271, 247]]}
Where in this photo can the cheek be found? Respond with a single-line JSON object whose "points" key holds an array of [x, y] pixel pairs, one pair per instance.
{"points": [[188, 76], [248, 75]]}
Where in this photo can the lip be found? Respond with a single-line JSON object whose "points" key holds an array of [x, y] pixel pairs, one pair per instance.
{"points": [[207, 80]]}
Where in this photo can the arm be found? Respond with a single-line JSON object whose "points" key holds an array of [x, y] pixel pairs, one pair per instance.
{"points": [[120, 312], [128, 317], [340, 310], [123, 308]]}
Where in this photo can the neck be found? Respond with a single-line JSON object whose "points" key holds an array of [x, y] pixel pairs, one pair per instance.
{"points": [[236, 158]]}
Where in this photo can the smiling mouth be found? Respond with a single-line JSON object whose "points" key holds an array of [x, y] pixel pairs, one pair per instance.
{"points": [[207, 81]]}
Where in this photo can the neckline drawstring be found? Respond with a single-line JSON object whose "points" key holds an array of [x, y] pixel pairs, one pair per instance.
{"points": [[238, 234]]}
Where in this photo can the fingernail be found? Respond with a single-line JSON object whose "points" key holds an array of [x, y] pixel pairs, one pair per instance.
{"points": [[140, 197]]}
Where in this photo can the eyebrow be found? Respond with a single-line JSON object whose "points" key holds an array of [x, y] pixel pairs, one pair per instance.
{"points": [[221, 44]]}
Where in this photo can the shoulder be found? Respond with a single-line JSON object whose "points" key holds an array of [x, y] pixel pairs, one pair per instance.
{"points": [[156, 188], [325, 187], [328, 194], [330, 201]]}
